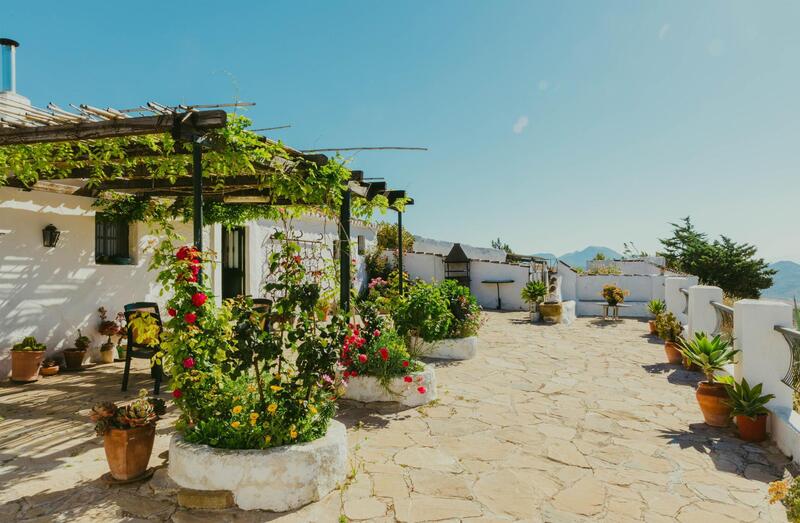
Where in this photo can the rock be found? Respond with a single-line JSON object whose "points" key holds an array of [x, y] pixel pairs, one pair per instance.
{"points": [[367, 508], [423, 508], [427, 458], [567, 453], [205, 499], [586, 497]]}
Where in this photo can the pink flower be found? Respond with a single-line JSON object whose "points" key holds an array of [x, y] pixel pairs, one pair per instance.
{"points": [[177, 393], [384, 353], [422, 390], [172, 312], [408, 379], [188, 363], [376, 333], [190, 317], [198, 299], [362, 358], [405, 363]]}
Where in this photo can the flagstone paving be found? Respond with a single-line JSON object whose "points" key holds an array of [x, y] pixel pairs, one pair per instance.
{"points": [[548, 423]]}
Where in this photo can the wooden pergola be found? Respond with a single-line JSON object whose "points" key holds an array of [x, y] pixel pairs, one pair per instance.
{"points": [[186, 124]]}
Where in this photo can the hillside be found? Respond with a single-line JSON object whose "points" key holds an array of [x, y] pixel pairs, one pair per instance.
{"points": [[786, 282], [579, 258]]}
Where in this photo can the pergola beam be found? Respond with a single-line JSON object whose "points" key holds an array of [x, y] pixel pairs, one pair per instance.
{"points": [[180, 124]]}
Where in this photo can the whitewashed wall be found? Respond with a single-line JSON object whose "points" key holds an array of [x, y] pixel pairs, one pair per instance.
{"points": [[50, 293]]}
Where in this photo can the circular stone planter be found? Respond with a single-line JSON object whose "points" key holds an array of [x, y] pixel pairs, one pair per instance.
{"points": [[449, 348], [277, 479], [369, 388]]}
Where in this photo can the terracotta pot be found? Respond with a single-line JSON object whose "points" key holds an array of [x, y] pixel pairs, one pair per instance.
{"points": [[653, 330], [25, 364], [128, 451], [752, 429], [713, 399], [674, 356], [107, 356], [73, 358], [49, 371]]}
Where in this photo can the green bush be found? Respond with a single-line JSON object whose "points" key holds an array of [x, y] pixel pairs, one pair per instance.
{"points": [[534, 292], [425, 312], [464, 308]]}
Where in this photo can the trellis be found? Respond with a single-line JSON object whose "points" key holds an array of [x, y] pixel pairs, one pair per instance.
{"points": [[186, 124]]}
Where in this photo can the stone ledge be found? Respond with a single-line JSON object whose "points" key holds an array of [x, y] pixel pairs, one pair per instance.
{"points": [[449, 348], [277, 479], [205, 499], [369, 389]]}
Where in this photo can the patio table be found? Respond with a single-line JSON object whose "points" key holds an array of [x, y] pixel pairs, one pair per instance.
{"points": [[614, 310], [498, 282]]}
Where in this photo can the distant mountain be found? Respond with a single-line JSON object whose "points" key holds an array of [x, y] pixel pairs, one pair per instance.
{"points": [[786, 282], [579, 258]]}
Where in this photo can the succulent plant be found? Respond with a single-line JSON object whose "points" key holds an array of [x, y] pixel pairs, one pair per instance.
{"points": [[28, 344], [138, 413], [82, 342]]}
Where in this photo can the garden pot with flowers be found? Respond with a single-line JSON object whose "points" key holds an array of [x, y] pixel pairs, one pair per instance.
{"points": [[111, 328], [440, 321], [711, 355], [613, 294], [656, 308], [256, 401], [749, 409], [50, 367], [128, 434], [26, 357], [671, 331], [377, 366]]}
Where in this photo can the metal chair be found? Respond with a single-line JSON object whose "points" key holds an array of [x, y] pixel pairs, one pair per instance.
{"points": [[139, 350]]}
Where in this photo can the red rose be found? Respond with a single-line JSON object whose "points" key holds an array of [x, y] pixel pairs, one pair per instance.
{"points": [[172, 312], [198, 299], [190, 317], [376, 333], [298, 259], [195, 268], [408, 379], [405, 363], [183, 253], [353, 374], [177, 393], [362, 358], [188, 363], [346, 374], [422, 390], [384, 353]]}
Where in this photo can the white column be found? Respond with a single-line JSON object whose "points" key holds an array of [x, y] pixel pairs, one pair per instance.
{"points": [[675, 300], [765, 359], [702, 316]]}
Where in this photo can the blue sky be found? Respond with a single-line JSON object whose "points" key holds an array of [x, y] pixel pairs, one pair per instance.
{"points": [[554, 125]]}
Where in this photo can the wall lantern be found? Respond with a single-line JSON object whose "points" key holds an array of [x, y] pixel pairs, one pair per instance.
{"points": [[50, 236]]}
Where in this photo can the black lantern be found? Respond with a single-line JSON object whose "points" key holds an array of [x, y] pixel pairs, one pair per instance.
{"points": [[50, 236], [456, 265]]}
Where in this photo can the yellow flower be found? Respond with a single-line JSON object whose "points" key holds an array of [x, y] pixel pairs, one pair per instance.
{"points": [[235, 424], [251, 388], [252, 422], [276, 388], [237, 409], [778, 490], [292, 432], [272, 408], [254, 415], [313, 409], [267, 439]]}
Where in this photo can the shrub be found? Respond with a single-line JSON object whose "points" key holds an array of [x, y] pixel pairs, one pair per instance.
{"points": [[614, 294], [533, 292], [425, 312], [668, 327], [656, 307], [377, 264], [787, 491], [241, 379], [387, 237], [464, 308]]}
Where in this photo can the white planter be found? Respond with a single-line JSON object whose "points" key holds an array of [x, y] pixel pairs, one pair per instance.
{"points": [[369, 388], [447, 349], [276, 479]]}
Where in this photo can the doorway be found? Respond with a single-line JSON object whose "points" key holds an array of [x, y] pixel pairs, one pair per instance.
{"points": [[233, 262]]}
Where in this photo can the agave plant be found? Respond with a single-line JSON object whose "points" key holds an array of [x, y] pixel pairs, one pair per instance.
{"points": [[534, 292], [656, 307], [747, 401], [710, 354]]}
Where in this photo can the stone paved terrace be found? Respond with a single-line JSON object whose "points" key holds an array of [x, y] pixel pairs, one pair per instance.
{"points": [[548, 423]]}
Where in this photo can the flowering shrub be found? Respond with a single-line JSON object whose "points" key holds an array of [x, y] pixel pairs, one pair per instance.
{"points": [[246, 378], [463, 307], [385, 292], [613, 294], [787, 491], [376, 349], [425, 313]]}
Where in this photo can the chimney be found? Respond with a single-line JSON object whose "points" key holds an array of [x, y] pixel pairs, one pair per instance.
{"points": [[8, 65], [10, 102]]}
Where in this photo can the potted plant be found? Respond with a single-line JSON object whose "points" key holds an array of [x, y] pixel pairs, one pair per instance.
{"points": [[748, 408], [613, 294], [533, 294], [656, 308], [49, 367], [109, 328], [26, 356], [711, 355], [128, 434], [670, 330], [74, 356]]}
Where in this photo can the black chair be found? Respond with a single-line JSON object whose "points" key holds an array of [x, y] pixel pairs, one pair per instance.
{"points": [[139, 350]]}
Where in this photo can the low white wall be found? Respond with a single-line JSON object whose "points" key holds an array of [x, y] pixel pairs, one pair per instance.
{"points": [[486, 293], [424, 266], [569, 282], [676, 301]]}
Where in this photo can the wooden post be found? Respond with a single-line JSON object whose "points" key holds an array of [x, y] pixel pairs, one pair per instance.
{"points": [[197, 185], [400, 251], [344, 253]]}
